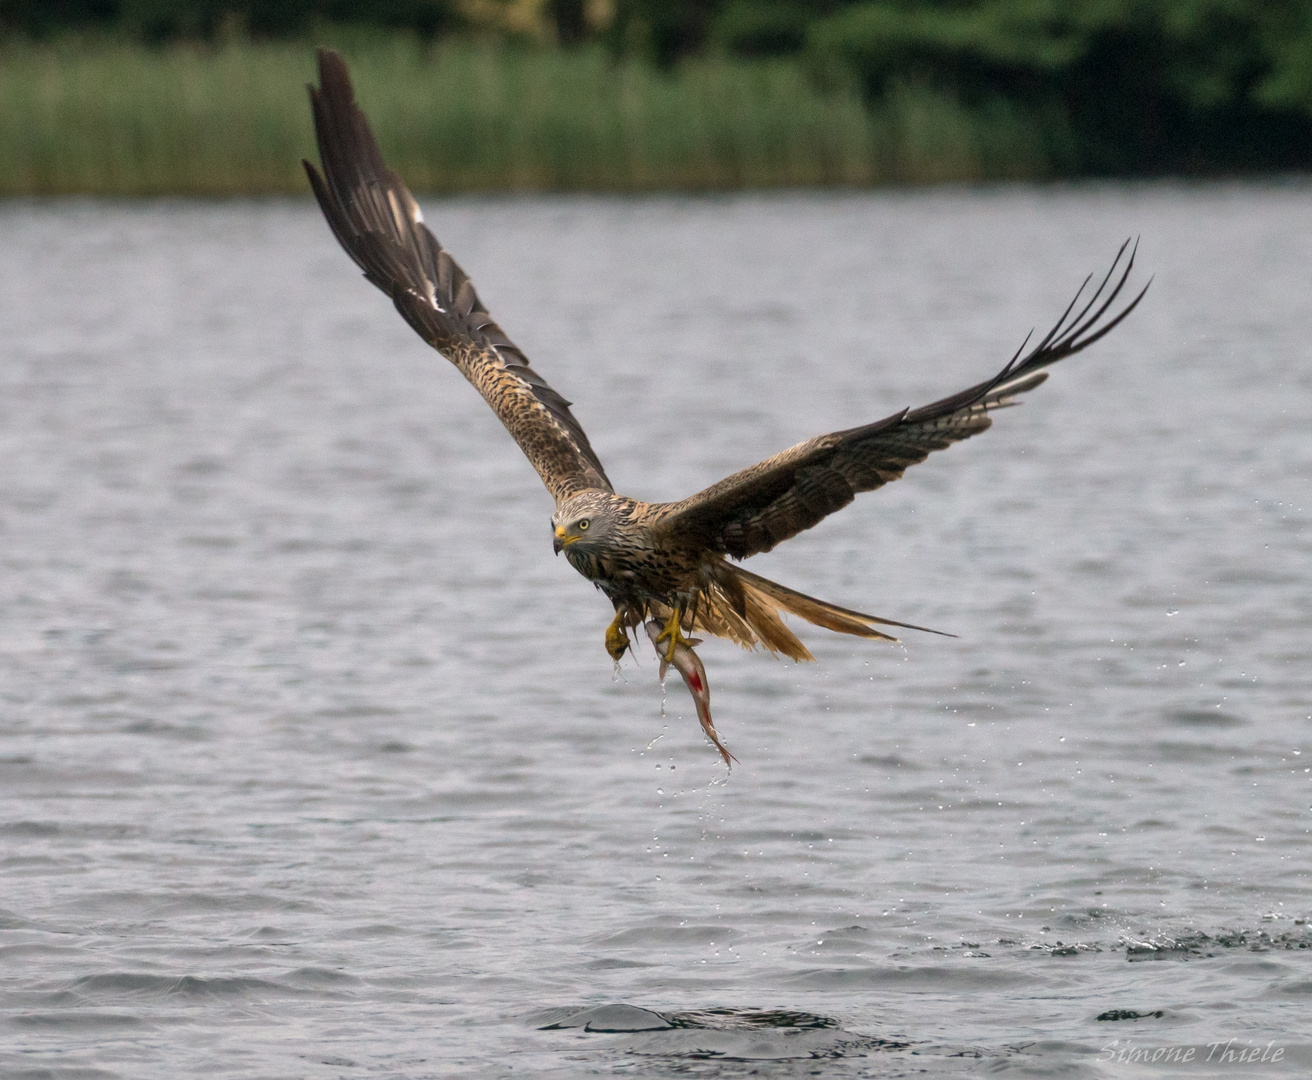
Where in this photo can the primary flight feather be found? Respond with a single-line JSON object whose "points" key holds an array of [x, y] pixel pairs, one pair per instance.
{"points": [[668, 562]]}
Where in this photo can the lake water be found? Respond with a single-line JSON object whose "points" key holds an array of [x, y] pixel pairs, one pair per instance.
{"points": [[313, 764]]}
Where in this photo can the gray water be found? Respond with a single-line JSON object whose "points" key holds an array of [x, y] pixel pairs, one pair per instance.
{"points": [[313, 764]]}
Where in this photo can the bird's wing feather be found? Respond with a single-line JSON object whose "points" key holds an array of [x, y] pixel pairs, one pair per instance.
{"points": [[378, 222], [764, 505]]}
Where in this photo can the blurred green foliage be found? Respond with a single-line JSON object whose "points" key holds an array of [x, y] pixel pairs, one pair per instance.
{"points": [[1111, 87], [1145, 86], [1125, 86], [113, 117]]}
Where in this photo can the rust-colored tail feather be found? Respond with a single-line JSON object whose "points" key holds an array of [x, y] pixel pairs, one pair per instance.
{"points": [[744, 607]]}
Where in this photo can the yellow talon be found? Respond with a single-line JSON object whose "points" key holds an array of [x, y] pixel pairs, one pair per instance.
{"points": [[617, 637], [673, 632]]}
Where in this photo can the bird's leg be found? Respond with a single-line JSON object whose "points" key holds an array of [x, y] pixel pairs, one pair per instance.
{"points": [[617, 635], [673, 633]]}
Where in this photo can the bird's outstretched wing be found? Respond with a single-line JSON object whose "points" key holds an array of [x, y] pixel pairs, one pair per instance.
{"points": [[764, 505], [378, 222]]}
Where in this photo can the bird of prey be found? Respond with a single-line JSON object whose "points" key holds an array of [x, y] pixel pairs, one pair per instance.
{"points": [[673, 563]]}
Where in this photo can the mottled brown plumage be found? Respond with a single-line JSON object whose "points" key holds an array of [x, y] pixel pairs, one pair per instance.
{"points": [[669, 561], [379, 224]]}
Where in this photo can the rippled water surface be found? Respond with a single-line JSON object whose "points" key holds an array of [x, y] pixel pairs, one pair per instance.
{"points": [[312, 763]]}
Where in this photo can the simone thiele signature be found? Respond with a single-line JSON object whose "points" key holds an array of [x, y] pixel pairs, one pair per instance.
{"points": [[1227, 1052]]}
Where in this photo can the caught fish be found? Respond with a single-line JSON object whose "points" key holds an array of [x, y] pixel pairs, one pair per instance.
{"points": [[690, 666]]}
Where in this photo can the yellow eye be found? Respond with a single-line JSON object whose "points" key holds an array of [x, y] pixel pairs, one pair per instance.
{"points": [[583, 525]]}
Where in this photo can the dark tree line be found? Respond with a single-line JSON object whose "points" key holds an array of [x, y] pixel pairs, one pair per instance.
{"points": [[1135, 86], [1138, 86], [161, 20]]}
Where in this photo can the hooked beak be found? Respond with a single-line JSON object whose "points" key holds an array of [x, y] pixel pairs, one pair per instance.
{"points": [[560, 541]]}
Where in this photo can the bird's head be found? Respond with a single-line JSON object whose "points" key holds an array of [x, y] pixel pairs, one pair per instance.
{"points": [[583, 522]]}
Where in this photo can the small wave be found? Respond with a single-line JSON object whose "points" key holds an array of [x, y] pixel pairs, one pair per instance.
{"points": [[668, 935], [190, 903], [1204, 718], [603, 1018], [883, 976], [83, 830], [721, 1033], [316, 976], [1191, 944], [119, 983], [74, 1020], [1297, 988]]}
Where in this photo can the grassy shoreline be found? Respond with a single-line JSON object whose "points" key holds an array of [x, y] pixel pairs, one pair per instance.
{"points": [[107, 117]]}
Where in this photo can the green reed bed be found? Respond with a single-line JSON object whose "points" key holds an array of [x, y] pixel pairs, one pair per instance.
{"points": [[105, 117]]}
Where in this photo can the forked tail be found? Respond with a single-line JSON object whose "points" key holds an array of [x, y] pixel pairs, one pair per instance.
{"points": [[744, 607]]}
